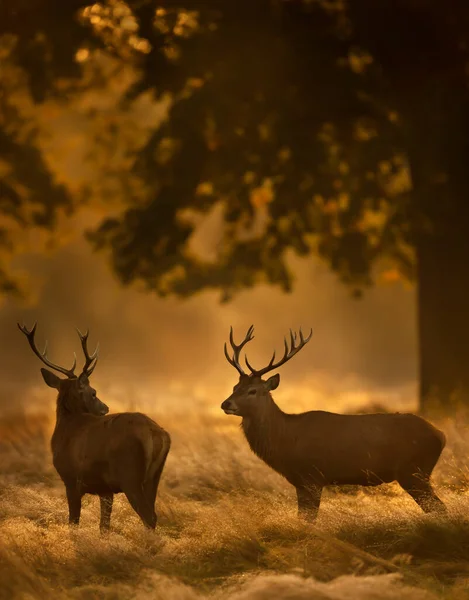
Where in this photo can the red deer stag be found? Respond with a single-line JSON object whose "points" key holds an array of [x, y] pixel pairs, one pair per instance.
{"points": [[97, 454], [317, 448]]}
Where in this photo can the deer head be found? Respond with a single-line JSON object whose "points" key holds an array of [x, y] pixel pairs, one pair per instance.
{"points": [[75, 392], [252, 390]]}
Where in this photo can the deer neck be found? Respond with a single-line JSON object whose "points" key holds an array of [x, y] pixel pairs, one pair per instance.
{"points": [[63, 419], [265, 429], [62, 410]]}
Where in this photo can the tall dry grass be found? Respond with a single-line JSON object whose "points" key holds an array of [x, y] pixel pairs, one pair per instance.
{"points": [[227, 528]]}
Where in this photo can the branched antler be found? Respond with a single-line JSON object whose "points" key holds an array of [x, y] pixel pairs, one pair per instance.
{"points": [[88, 367], [30, 333], [289, 353], [90, 359], [234, 361]]}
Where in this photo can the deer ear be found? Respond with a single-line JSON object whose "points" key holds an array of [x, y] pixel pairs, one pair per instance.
{"points": [[83, 380], [51, 379], [272, 382]]}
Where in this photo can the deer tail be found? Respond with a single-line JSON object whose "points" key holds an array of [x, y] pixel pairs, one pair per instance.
{"points": [[159, 444]]}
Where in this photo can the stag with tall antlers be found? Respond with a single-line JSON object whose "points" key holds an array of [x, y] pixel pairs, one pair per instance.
{"points": [[97, 453], [317, 448]]}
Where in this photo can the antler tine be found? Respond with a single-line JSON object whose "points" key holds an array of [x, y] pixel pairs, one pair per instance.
{"points": [[288, 354], [252, 368], [234, 360], [302, 339], [30, 333], [91, 360], [229, 359]]}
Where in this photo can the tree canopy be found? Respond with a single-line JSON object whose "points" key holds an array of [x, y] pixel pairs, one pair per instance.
{"points": [[277, 115]]}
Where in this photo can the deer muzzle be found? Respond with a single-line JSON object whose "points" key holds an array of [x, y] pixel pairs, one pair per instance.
{"points": [[229, 407], [103, 409]]}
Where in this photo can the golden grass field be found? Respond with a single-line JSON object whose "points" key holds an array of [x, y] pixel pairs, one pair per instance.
{"points": [[227, 528]]}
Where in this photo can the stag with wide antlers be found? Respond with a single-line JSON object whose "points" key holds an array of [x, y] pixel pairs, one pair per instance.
{"points": [[97, 453], [317, 448]]}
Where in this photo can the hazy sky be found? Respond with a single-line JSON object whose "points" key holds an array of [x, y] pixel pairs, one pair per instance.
{"points": [[169, 353]]}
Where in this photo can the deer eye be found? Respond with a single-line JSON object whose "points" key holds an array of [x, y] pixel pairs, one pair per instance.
{"points": [[252, 392]]}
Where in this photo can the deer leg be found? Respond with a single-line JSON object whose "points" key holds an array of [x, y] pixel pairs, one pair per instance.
{"points": [[131, 474], [309, 499], [139, 502], [74, 505], [421, 490], [106, 510], [134, 489], [150, 489]]}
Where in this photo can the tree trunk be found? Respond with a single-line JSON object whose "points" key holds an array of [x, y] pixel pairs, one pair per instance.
{"points": [[443, 318], [439, 156], [421, 46]]}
